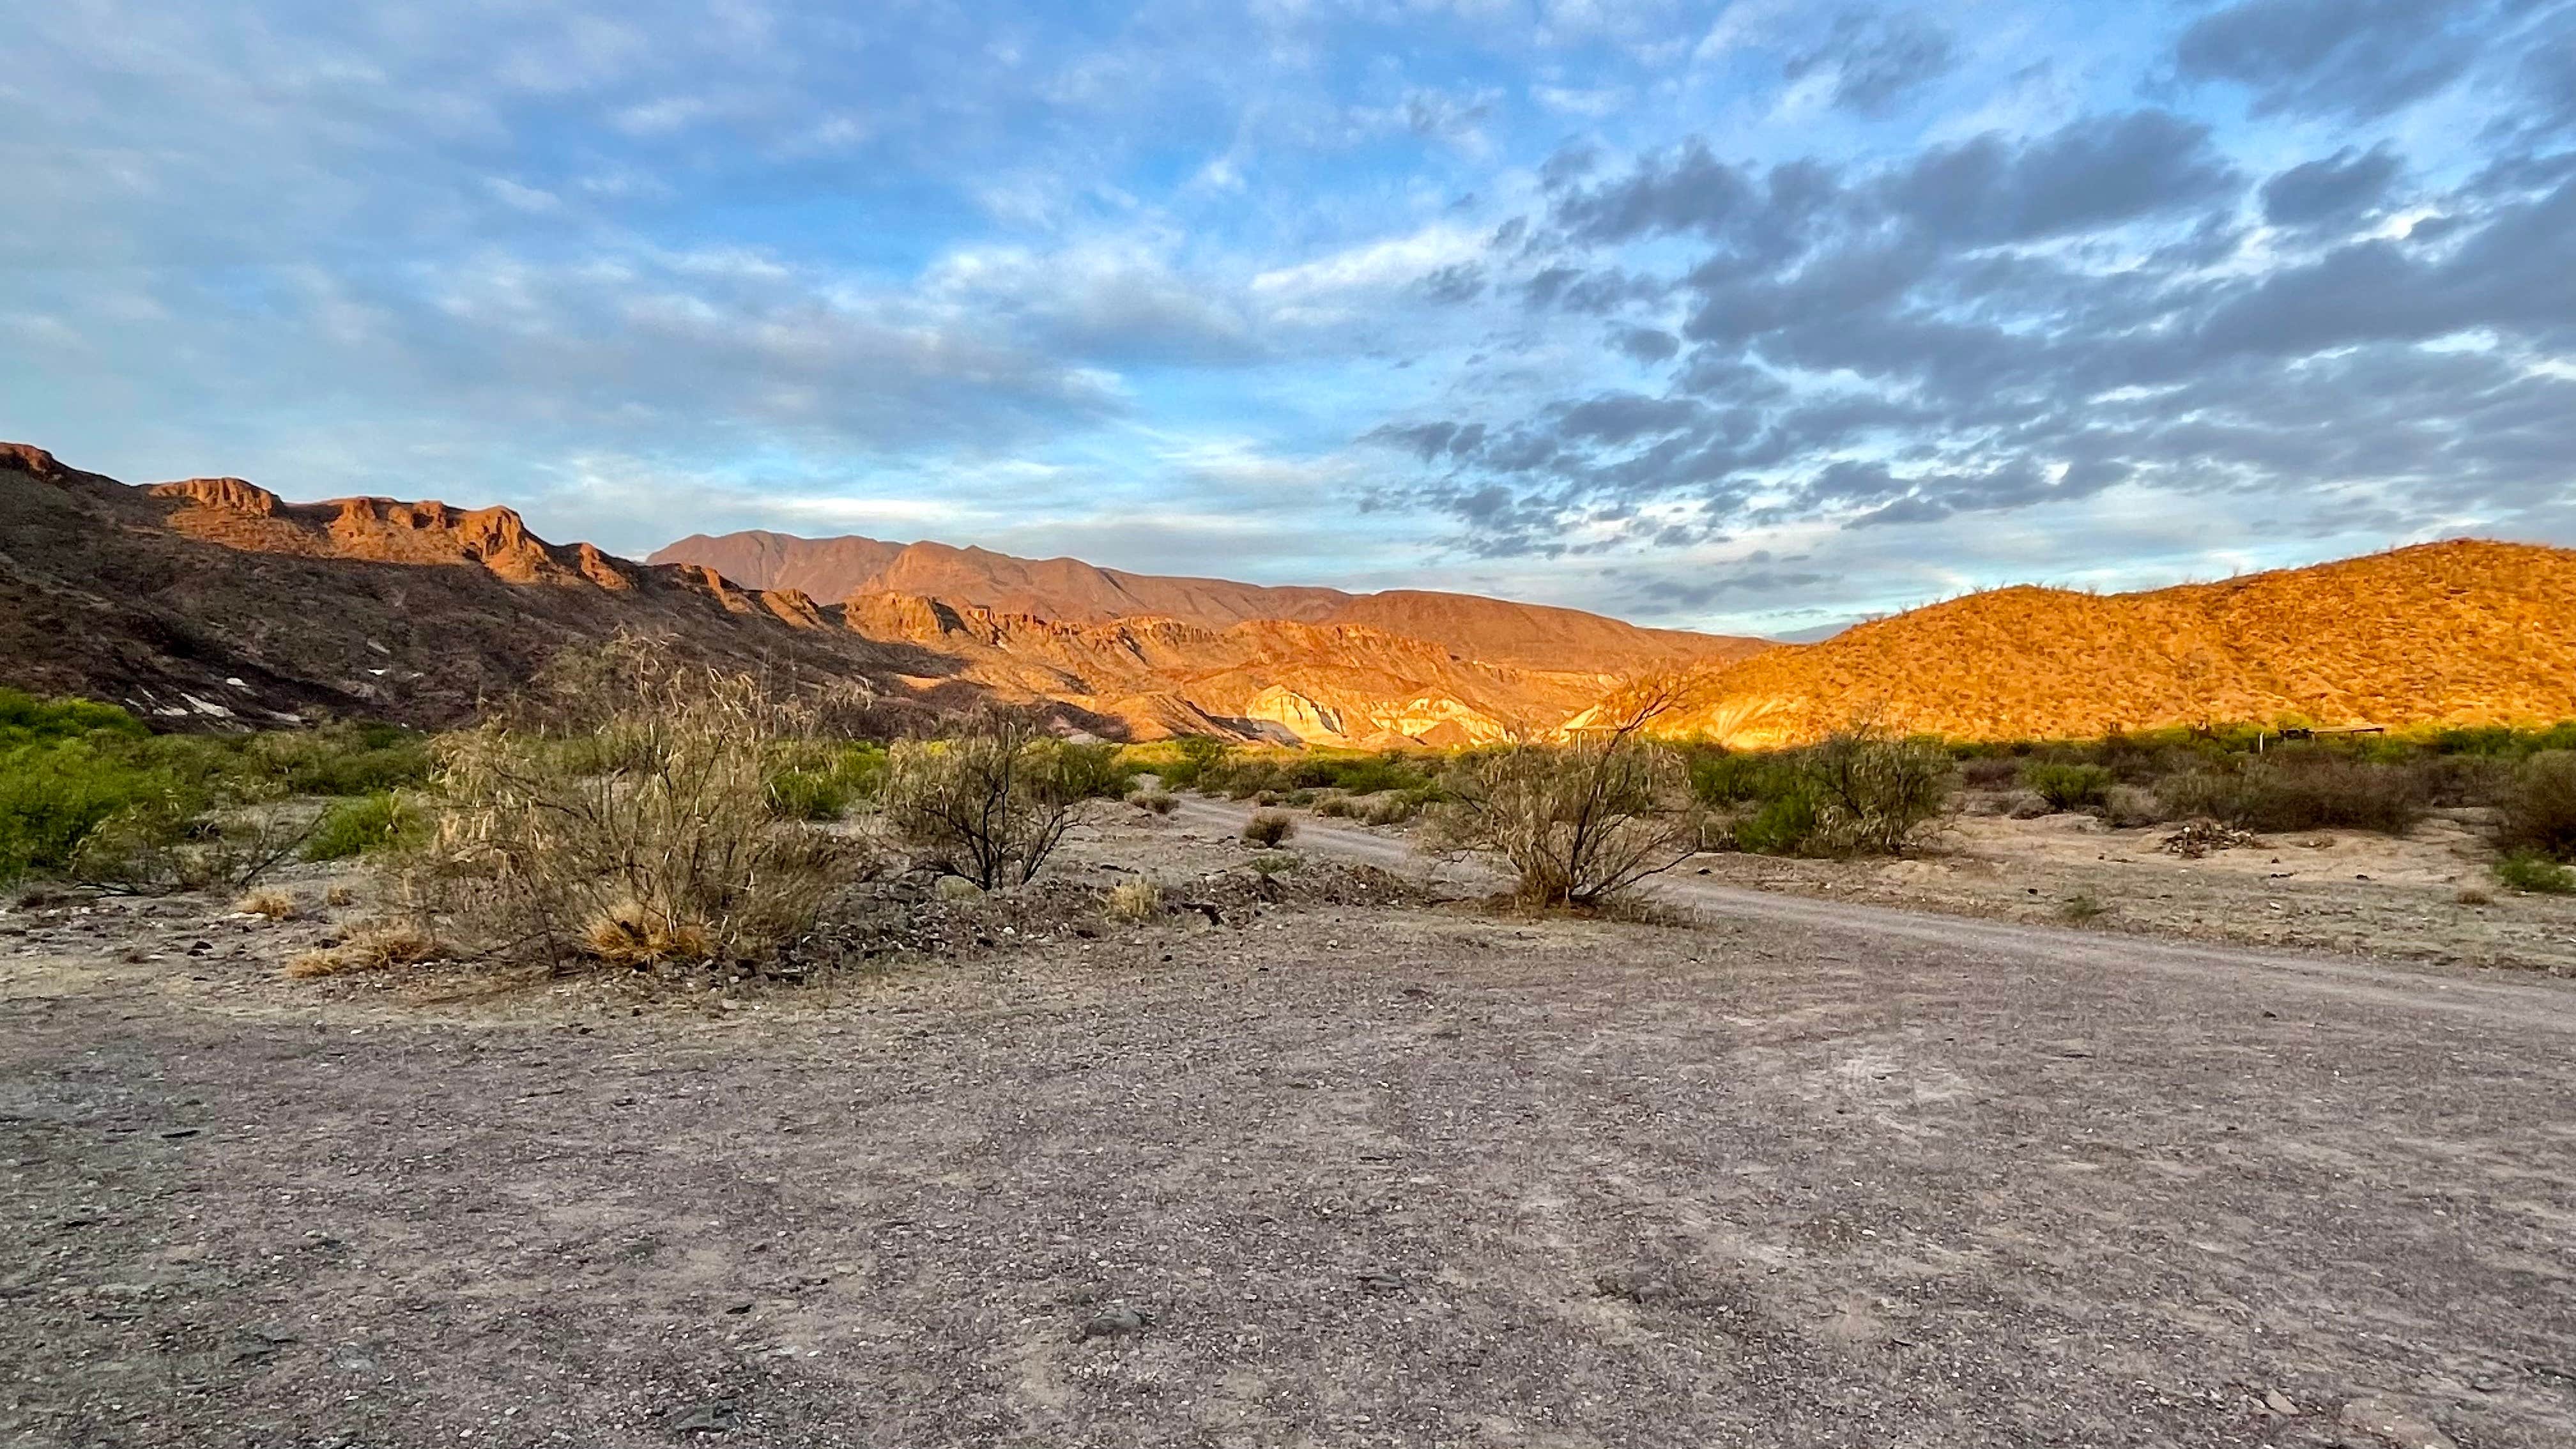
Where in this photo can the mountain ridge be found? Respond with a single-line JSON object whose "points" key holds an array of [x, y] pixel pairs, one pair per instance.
{"points": [[1499, 631], [215, 603]]}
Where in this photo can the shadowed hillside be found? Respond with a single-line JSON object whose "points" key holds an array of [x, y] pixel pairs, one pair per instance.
{"points": [[2460, 632], [214, 603]]}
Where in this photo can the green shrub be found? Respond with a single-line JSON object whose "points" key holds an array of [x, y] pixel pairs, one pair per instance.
{"points": [[361, 826], [55, 796], [1781, 825], [2537, 809], [2300, 787], [1873, 794], [2069, 787], [2529, 871]]}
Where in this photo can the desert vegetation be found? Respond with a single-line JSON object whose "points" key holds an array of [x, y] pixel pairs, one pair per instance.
{"points": [[624, 816], [991, 801], [1578, 824], [1858, 792]]}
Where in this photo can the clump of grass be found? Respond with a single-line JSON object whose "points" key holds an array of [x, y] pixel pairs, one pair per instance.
{"points": [[2069, 787], [274, 905], [1274, 862], [1134, 901], [2536, 874], [1268, 828], [370, 946]]}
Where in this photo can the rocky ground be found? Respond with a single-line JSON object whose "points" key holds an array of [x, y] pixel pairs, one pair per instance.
{"points": [[1343, 1165]]}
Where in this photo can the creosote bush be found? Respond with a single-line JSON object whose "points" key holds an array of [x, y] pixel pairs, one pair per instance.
{"points": [[2536, 873], [1857, 792], [363, 825], [624, 816], [1582, 823], [992, 800], [2536, 814], [2069, 787]]}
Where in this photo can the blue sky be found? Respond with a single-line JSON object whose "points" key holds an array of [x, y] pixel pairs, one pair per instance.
{"points": [[1751, 316]]}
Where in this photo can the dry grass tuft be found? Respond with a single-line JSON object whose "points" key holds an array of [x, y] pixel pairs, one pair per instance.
{"points": [[272, 904], [1134, 901], [369, 946]]}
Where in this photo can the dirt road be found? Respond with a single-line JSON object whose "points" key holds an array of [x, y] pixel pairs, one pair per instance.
{"points": [[2510, 1000], [1324, 1176]]}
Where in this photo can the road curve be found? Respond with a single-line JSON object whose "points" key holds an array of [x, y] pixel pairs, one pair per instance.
{"points": [[2531, 1003]]}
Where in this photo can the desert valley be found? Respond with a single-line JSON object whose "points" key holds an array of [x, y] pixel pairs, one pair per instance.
{"points": [[1532, 724], [211, 600]]}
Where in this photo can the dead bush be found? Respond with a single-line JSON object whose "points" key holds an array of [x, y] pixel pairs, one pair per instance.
{"points": [[1134, 901], [636, 829], [1580, 824], [2537, 808], [991, 801], [274, 905], [1269, 828], [370, 946]]}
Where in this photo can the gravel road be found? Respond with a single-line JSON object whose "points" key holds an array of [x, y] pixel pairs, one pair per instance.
{"points": [[1795, 1175]]}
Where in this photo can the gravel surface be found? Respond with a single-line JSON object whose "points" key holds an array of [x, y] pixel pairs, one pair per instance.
{"points": [[1349, 1175]]}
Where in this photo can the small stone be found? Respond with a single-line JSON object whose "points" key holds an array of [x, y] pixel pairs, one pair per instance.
{"points": [[2394, 1424], [715, 1416], [1115, 1321]]}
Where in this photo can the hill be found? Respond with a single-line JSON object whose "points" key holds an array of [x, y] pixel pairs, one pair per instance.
{"points": [[1493, 631], [213, 603], [2463, 632]]}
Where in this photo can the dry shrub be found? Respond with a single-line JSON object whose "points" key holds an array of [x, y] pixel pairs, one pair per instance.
{"points": [[2537, 809], [1580, 824], [1134, 901], [1269, 828], [627, 821], [370, 946], [990, 802], [275, 905]]}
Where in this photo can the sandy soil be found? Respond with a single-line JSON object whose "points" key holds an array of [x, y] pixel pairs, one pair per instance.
{"points": [[1799, 1173]]}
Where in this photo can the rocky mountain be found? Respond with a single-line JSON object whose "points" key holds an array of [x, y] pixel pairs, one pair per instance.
{"points": [[2465, 632], [212, 602], [1494, 631]]}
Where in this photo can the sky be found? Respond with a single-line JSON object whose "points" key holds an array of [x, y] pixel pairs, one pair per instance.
{"points": [[1754, 316]]}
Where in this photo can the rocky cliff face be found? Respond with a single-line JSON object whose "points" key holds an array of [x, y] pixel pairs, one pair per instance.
{"points": [[214, 601]]}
